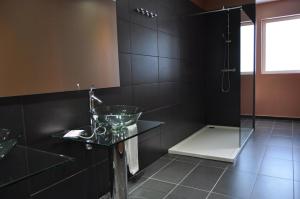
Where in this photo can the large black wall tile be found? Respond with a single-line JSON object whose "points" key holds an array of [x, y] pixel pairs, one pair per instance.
{"points": [[146, 96], [144, 69], [124, 36], [167, 18], [17, 190], [168, 45], [11, 117], [143, 40], [168, 94], [150, 148], [73, 187], [123, 9], [169, 70], [113, 96], [97, 179], [125, 69], [46, 114]]}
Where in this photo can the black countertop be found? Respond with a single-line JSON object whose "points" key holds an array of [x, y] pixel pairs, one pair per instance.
{"points": [[24, 162]]}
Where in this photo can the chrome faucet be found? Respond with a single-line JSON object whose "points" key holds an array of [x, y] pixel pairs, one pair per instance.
{"points": [[93, 117], [92, 99]]}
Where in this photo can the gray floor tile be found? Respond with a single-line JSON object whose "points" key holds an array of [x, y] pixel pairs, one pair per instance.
{"points": [[187, 193], [273, 188], [133, 183], [296, 141], [296, 124], [277, 168], [151, 190], [169, 156], [212, 163], [283, 124], [263, 130], [257, 142], [296, 131], [282, 131], [263, 123], [296, 190], [247, 164], [246, 122], [296, 127], [296, 154], [258, 139], [174, 172], [236, 184], [297, 171], [285, 153], [253, 151], [183, 158], [219, 196], [156, 166], [280, 141], [203, 177]]}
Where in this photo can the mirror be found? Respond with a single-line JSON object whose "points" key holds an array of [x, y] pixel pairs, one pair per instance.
{"points": [[247, 77], [57, 45]]}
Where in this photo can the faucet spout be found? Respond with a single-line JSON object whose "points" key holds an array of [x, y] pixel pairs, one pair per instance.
{"points": [[93, 97]]}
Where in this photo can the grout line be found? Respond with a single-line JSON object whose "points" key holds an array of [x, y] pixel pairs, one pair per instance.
{"points": [[173, 183], [181, 180], [56, 183], [203, 163], [151, 28], [179, 184], [152, 176], [193, 188], [216, 182], [227, 196], [263, 157], [281, 178], [285, 136]]}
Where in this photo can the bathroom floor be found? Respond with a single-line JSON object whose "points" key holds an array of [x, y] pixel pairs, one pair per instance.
{"points": [[267, 168]]}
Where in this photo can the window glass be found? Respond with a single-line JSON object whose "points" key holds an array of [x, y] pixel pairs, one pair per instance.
{"points": [[281, 52], [247, 48]]}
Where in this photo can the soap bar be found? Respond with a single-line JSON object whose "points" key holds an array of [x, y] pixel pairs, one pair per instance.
{"points": [[73, 133]]}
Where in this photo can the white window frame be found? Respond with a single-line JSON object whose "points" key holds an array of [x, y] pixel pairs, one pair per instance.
{"points": [[263, 43], [246, 23]]}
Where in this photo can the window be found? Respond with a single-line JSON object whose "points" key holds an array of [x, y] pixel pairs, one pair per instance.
{"points": [[247, 48], [281, 45]]}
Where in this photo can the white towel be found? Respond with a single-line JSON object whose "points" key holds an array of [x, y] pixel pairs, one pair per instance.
{"points": [[131, 147]]}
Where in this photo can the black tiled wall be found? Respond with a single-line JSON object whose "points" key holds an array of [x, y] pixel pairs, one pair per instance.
{"points": [[222, 108], [160, 71]]}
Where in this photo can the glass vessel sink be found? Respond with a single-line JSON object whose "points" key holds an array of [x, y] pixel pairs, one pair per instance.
{"points": [[116, 117]]}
